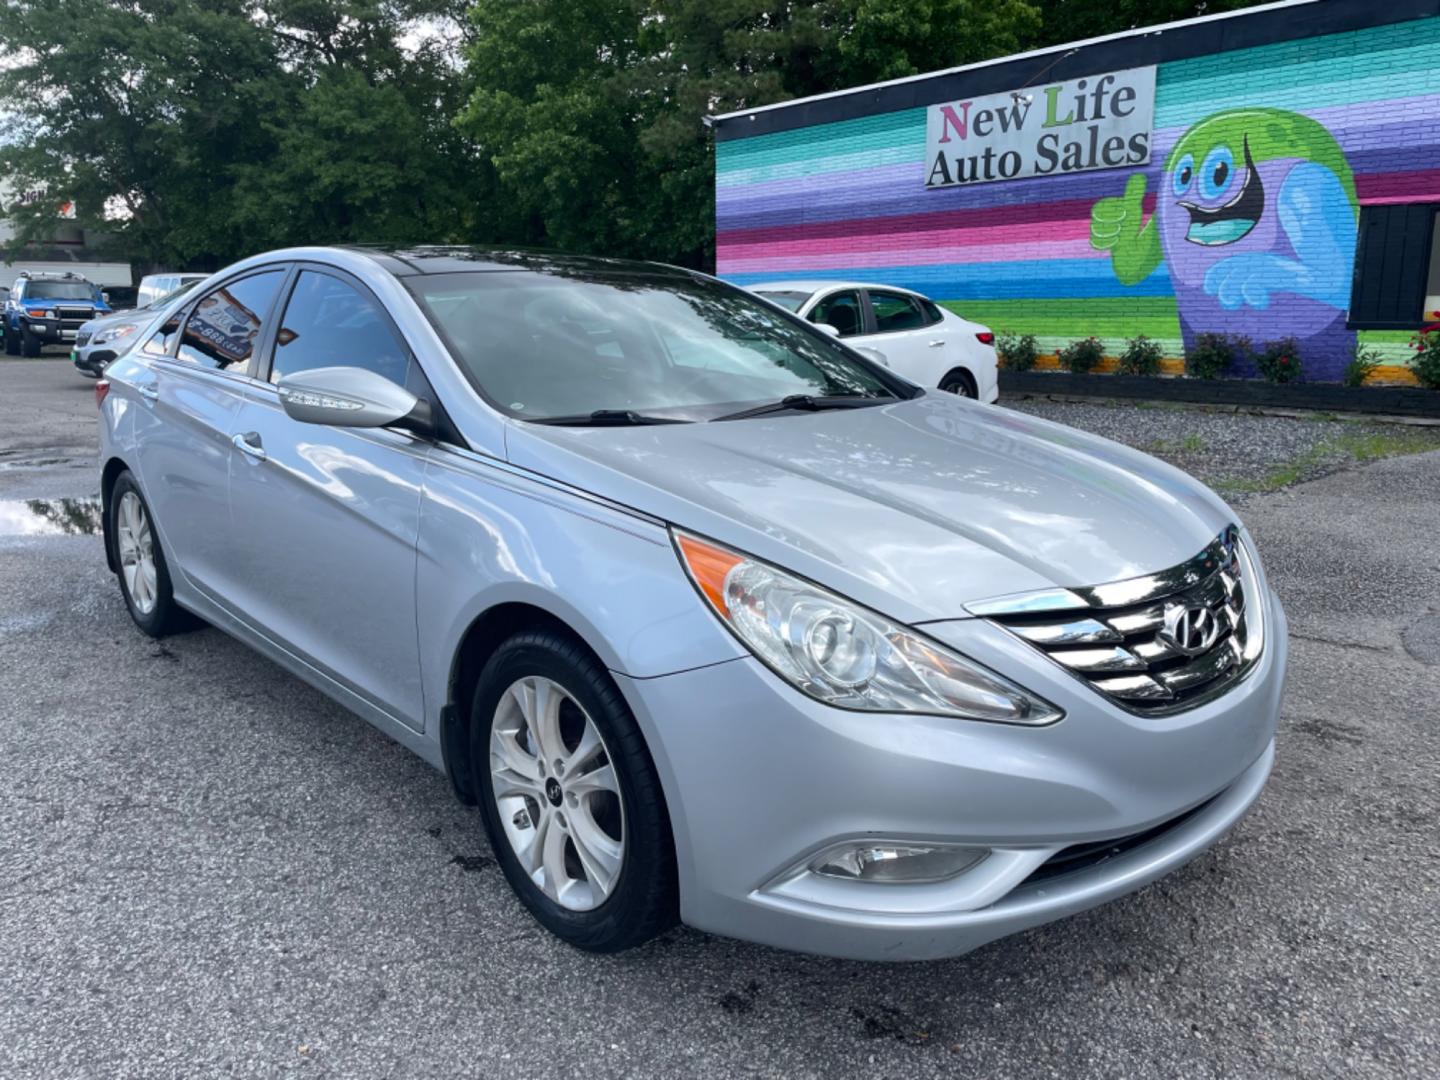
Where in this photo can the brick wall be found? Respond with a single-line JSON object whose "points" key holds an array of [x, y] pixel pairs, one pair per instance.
{"points": [[848, 200]]}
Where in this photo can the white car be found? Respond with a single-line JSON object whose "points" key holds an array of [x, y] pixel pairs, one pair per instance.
{"points": [[916, 336], [154, 287]]}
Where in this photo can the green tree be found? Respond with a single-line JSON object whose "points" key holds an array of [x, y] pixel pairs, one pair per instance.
{"points": [[591, 111], [1075, 20], [198, 131]]}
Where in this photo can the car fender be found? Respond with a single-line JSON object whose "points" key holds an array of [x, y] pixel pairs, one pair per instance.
{"points": [[528, 540]]}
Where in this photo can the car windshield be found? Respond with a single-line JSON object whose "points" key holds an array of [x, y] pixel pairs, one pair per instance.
{"points": [[544, 345], [59, 290], [789, 300]]}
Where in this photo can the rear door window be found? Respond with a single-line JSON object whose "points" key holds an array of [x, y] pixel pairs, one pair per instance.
{"points": [[225, 325], [895, 312]]}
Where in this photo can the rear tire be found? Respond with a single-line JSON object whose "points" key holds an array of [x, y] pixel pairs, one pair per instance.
{"points": [[960, 383], [579, 798], [29, 343], [144, 576]]}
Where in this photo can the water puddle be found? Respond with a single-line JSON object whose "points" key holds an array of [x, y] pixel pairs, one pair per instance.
{"points": [[50, 517], [22, 461]]}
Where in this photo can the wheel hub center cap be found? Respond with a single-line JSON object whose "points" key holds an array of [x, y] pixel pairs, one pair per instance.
{"points": [[553, 792]]}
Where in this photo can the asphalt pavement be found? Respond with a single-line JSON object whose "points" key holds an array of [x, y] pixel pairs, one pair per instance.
{"points": [[207, 868]]}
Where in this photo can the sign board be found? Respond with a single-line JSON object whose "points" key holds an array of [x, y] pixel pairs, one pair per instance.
{"points": [[223, 328], [1098, 122]]}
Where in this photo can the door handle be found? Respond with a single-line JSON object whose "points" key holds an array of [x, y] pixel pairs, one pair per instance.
{"points": [[937, 343], [248, 443], [149, 393]]}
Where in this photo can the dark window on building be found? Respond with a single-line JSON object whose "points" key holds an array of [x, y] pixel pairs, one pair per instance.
{"points": [[1397, 269], [895, 312], [226, 323], [841, 310], [329, 323]]}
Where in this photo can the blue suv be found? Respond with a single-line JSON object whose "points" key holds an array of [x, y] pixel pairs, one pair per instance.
{"points": [[47, 309]]}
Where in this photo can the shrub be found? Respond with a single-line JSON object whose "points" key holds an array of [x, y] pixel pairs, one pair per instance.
{"points": [[1083, 356], [1214, 355], [1018, 352], [1426, 364], [1363, 361], [1279, 361], [1141, 357]]}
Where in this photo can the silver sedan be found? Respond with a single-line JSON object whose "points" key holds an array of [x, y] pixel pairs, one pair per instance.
{"points": [[713, 618]]}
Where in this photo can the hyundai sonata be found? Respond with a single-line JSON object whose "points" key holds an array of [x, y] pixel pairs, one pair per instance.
{"points": [[715, 619]]}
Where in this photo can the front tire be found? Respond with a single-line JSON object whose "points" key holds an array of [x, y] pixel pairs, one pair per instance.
{"points": [[29, 343], [569, 796], [12, 345], [144, 576]]}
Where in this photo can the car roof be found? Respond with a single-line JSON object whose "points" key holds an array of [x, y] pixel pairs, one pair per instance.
{"points": [[408, 260], [814, 285]]}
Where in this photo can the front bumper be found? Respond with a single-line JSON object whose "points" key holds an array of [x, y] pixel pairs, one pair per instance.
{"points": [[91, 359], [760, 778], [50, 331]]}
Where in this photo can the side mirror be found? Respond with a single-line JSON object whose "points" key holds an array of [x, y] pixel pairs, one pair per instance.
{"points": [[833, 331], [875, 356], [351, 397]]}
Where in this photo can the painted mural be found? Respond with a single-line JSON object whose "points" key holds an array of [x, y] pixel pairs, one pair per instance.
{"points": [[1256, 222], [1302, 133]]}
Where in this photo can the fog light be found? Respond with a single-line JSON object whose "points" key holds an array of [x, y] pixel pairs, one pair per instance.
{"points": [[896, 863]]}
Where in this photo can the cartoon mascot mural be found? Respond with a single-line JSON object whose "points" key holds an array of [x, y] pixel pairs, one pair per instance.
{"points": [[1256, 220]]}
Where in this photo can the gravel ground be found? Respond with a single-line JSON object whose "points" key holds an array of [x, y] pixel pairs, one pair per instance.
{"points": [[1239, 454], [206, 868]]}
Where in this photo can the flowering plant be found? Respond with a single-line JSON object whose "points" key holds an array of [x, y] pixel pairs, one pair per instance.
{"points": [[1426, 343], [1279, 361]]}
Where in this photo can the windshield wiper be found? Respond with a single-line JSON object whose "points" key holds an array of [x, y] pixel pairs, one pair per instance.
{"points": [[808, 403], [607, 418]]}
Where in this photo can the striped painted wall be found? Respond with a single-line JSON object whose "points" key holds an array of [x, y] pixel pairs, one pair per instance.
{"points": [[848, 199]]}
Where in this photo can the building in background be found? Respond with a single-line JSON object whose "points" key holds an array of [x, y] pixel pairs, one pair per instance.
{"points": [[67, 248], [1270, 173]]}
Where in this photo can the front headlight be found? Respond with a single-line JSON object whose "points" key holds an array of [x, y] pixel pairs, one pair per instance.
{"points": [[845, 655], [115, 333]]}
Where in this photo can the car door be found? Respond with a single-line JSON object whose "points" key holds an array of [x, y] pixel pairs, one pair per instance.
{"points": [[324, 519], [916, 346], [198, 364]]}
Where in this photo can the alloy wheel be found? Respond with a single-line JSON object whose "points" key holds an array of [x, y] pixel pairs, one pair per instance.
{"points": [[557, 793], [958, 387], [136, 544]]}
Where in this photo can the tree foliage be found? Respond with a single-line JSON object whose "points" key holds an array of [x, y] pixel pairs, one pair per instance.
{"points": [[591, 111], [199, 131]]}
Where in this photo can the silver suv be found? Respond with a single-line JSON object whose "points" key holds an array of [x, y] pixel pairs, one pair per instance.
{"points": [[714, 618]]}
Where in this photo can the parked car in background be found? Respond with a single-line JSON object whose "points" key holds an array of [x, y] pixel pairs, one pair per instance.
{"points": [[99, 341], [47, 309], [927, 344], [713, 618], [154, 286]]}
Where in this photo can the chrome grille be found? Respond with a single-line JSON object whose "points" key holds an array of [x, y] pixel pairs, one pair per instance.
{"points": [[1154, 644]]}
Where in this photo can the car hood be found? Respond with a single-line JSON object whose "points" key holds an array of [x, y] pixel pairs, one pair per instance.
{"points": [[104, 318], [914, 509]]}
